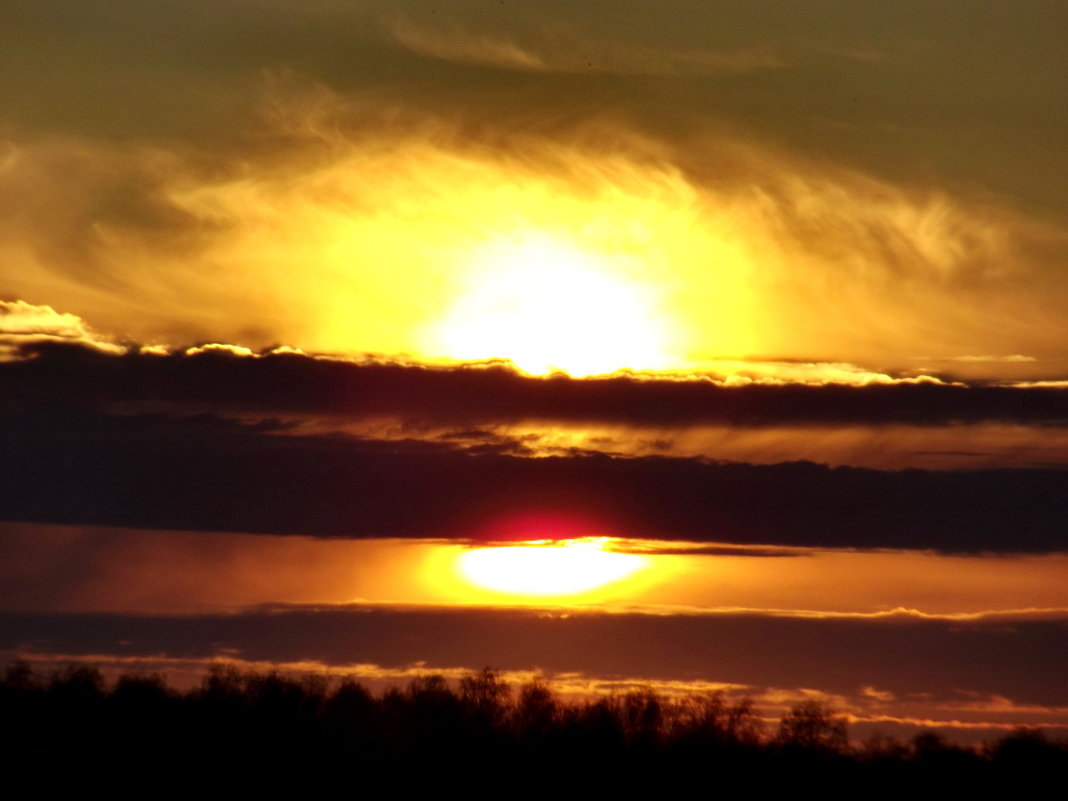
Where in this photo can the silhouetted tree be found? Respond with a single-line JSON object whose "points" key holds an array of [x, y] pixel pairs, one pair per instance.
{"points": [[642, 713], [349, 718], [1026, 749], [707, 720], [882, 748], [536, 714], [485, 696], [77, 683], [811, 726], [224, 686], [19, 676], [426, 718]]}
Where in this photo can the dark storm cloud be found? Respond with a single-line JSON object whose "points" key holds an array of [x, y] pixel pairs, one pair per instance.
{"points": [[908, 656], [68, 461]]}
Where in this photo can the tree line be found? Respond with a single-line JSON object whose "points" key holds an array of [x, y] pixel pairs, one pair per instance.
{"points": [[281, 726]]}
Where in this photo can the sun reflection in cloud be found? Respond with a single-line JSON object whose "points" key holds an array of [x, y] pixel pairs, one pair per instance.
{"points": [[549, 304], [547, 568]]}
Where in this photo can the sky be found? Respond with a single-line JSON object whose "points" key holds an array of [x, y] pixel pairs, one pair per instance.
{"points": [[311, 312]]}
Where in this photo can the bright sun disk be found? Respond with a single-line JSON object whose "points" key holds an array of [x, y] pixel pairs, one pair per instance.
{"points": [[559, 568], [548, 304]]}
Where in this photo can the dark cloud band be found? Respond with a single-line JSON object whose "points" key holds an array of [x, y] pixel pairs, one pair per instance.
{"points": [[1017, 659], [298, 384], [205, 472]]}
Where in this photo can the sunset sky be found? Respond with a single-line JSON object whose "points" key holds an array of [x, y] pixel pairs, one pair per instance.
{"points": [[753, 315]]}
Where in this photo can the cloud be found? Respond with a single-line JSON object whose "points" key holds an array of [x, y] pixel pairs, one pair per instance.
{"points": [[230, 379], [557, 48], [657, 548], [191, 469], [19, 318], [876, 696], [488, 406], [464, 47], [953, 664], [24, 325], [901, 92], [1056, 384], [1014, 357]]}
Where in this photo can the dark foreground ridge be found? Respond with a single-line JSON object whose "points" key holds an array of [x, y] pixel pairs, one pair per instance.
{"points": [[259, 729]]}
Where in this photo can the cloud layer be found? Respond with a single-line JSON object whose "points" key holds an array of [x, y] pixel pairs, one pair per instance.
{"points": [[213, 441], [980, 672]]}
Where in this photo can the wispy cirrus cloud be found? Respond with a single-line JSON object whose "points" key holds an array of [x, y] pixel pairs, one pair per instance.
{"points": [[557, 48]]}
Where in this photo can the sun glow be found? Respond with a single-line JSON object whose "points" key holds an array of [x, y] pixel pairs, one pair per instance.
{"points": [[580, 262], [551, 305], [545, 568]]}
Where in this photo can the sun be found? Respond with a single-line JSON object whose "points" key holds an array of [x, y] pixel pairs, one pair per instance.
{"points": [[546, 568], [549, 305]]}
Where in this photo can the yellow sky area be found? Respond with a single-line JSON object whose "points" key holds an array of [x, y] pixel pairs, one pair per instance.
{"points": [[464, 258], [558, 257], [62, 568], [591, 262]]}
